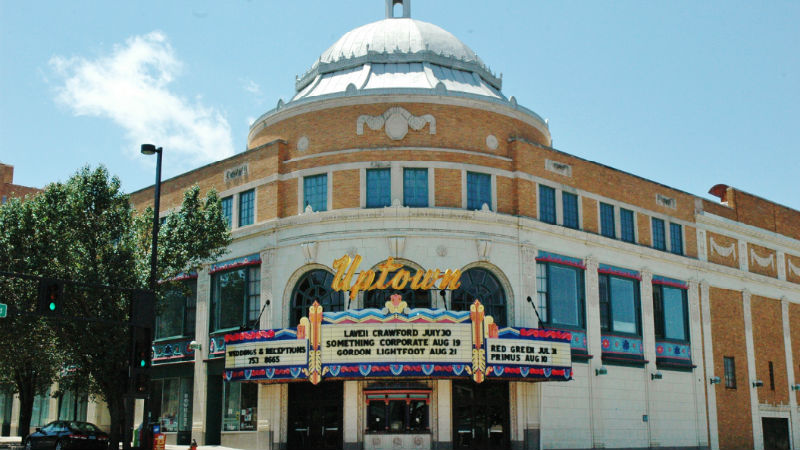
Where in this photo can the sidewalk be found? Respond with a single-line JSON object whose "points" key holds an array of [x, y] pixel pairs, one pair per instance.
{"points": [[7, 442]]}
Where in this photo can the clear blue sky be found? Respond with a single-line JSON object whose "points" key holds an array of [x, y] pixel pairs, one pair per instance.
{"points": [[684, 93]]}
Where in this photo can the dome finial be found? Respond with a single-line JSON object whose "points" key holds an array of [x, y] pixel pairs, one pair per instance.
{"points": [[390, 8]]}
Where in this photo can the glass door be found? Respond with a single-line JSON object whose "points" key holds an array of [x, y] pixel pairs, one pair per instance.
{"points": [[480, 415], [315, 416]]}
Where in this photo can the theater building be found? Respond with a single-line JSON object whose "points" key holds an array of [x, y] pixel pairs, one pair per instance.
{"points": [[401, 165]]}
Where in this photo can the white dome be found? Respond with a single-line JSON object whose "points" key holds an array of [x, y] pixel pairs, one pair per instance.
{"points": [[398, 36]]}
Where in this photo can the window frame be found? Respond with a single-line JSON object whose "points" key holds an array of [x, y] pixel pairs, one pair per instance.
{"points": [[226, 203], [623, 228], [574, 213], [247, 203], [225, 393], [637, 304], [475, 185], [543, 284], [375, 176], [660, 319], [461, 298], [729, 375], [411, 185], [549, 207], [296, 312], [658, 232], [216, 305], [391, 395], [307, 180], [189, 308], [607, 229], [676, 235]]}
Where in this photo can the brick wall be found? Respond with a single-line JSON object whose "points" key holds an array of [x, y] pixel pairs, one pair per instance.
{"points": [[690, 241], [506, 195], [794, 331], [590, 215], [733, 405], [346, 189], [768, 344], [448, 188], [643, 229]]}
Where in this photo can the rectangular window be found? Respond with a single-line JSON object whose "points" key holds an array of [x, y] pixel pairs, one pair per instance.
{"points": [[401, 411], [547, 204], [379, 188], [479, 190], [246, 207], [240, 412], [771, 377], [570, 209], [315, 192], [415, 187], [730, 372], [676, 238], [608, 226], [40, 414], [659, 239], [619, 304], [561, 294], [235, 298], [670, 313], [72, 406], [227, 210], [626, 225], [177, 316]]}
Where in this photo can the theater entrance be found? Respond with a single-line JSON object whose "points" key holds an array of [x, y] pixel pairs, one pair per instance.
{"points": [[315, 416], [480, 415]]}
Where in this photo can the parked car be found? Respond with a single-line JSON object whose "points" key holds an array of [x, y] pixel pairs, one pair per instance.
{"points": [[67, 435]]}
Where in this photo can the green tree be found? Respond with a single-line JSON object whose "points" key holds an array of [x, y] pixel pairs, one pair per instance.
{"points": [[100, 240]]}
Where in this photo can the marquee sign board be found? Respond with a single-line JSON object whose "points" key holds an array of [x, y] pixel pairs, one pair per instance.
{"points": [[398, 342]]}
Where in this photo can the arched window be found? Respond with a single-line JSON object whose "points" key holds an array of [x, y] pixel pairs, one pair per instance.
{"points": [[314, 285], [478, 283], [420, 298]]}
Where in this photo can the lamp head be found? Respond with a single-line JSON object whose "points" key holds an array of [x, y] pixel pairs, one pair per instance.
{"points": [[758, 383], [714, 380], [149, 149], [600, 371], [656, 376]]}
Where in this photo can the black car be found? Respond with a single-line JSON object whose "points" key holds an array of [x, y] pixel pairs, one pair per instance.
{"points": [[67, 435]]}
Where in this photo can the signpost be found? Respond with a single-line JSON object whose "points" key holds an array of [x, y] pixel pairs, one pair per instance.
{"points": [[3, 310]]}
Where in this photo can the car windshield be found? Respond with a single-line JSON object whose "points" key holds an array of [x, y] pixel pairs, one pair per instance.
{"points": [[84, 427]]}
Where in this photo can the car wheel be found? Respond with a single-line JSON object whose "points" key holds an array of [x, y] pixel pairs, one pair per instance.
{"points": [[28, 445], [58, 445]]}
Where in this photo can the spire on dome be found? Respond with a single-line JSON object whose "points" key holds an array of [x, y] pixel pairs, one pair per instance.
{"points": [[390, 8]]}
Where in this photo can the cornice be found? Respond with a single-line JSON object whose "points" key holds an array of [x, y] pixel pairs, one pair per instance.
{"points": [[750, 233]]}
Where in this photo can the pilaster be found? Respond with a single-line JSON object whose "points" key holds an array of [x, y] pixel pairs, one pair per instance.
{"points": [[526, 316], [787, 347], [594, 345], [708, 360], [780, 257], [648, 342], [758, 438], [744, 256], [702, 248], [267, 257], [444, 395], [350, 423], [700, 378], [200, 355]]}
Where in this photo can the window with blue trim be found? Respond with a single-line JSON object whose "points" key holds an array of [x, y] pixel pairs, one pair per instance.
{"points": [[561, 294], [415, 187], [627, 232], [670, 313], [315, 192], [659, 238], [379, 188], [619, 304], [547, 204], [227, 210], [479, 190], [570, 209], [676, 238], [246, 207], [176, 317], [608, 226]]}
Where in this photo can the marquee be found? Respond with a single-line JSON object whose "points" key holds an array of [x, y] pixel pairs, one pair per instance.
{"points": [[398, 342]]}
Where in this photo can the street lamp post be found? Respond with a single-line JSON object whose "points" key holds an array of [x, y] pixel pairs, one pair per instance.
{"points": [[149, 149]]}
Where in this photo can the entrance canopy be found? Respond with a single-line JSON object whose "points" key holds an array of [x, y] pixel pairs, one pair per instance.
{"points": [[398, 342]]}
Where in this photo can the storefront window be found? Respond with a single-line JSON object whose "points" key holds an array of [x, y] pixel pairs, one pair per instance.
{"points": [[419, 298], [170, 404], [235, 298], [40, 414], [670, 313], [314, 285], [480, 284], [561, 298], [241, 407], [397, 410], [619, 304], [177, 315], [72, 406]]}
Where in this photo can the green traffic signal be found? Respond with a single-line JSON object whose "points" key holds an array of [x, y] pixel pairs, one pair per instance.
{"points": [[52, 306], [141, 362]]}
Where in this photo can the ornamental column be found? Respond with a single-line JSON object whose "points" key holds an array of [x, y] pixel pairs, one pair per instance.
{"points": [[200, 374], [594, 346]]}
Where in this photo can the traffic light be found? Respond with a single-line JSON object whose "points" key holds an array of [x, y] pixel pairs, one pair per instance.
{"points": [[141, 360], [51, 297]]}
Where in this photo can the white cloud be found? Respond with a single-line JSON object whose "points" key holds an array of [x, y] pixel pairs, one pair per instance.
{"points": [[131, 87], [252, 87]]}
